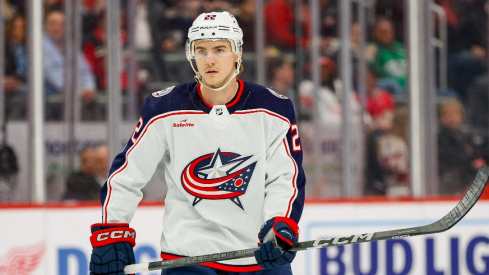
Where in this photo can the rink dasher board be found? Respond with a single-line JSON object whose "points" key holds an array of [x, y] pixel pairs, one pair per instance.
{"points": [[55, 240]]}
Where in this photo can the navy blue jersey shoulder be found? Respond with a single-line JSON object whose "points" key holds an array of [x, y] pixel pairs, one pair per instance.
{"points": [[170, 99], [260, 97]]}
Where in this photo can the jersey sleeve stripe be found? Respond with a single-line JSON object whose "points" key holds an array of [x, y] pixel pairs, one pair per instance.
{"points": [[294, 179], [264, 111]]}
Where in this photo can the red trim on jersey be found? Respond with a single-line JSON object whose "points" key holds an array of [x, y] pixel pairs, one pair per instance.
{"points": [[240, 92], [294, 179], [291, 224], [232, 103], [109, 192], [225, 267], [263, 111]]}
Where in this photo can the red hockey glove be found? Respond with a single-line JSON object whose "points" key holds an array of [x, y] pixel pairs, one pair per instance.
{"points": [[112, 248], [277, 236]]}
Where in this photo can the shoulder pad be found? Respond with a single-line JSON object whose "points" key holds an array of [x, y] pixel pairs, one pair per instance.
{"points": [[277, 94], [163, 92]]}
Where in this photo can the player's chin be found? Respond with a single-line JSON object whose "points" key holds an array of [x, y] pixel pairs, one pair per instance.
{"points": [[213, 83]]}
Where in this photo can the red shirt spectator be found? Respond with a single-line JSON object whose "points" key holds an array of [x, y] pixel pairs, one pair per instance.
{"points": [[280, 20], [379, 101], [95, 52]]}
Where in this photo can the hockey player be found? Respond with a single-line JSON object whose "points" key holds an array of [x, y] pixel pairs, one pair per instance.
{"points": [[233, 166]]}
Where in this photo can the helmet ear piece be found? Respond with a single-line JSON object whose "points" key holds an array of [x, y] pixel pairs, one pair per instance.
{"points": [[239, 47], [236, 46], [188, 50]]}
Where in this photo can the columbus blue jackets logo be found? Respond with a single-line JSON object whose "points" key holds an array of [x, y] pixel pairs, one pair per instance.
{"points": [[277, 94], [163, 92], [218, 176]]}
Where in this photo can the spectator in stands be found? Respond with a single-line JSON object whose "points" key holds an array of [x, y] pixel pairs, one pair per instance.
{"points": [[380, 104], [329, 18], [53, 46], [90, 11], [331, 46], [150, 31], [169, 31], [95, 52], [467, 43], [394, 10], [178, 20], [15, 56], [330, 106], [102, 159], [324, 128], [142, 27], [387, 155], [216, 5], [329, 117], [477, 104], [85, 184], [280, 21], [330, 42], [15, 65], [329, 120], [458, 157], [280, 73], [245, 14], [388, 56]]}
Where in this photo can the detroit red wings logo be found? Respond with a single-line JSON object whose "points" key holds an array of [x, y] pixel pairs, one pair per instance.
{"points": [[219, 175], [22, 260]]}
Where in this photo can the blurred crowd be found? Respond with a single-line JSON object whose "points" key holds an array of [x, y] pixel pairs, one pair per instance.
{"points": [[160, 34]]}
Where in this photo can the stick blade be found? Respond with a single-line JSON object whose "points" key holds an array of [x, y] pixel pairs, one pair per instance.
{"points": [[469, 199]]}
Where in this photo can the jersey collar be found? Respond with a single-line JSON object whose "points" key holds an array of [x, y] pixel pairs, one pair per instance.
{"points": [[229, 104]]}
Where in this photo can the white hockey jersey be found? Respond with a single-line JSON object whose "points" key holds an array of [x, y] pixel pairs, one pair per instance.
{"points": [[229, 168]]}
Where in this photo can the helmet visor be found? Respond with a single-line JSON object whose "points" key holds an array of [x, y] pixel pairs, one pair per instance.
{"points": [[209, 48]]}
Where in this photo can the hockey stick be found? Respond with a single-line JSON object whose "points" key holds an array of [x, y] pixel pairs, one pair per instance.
{"points": [[445, 223]]}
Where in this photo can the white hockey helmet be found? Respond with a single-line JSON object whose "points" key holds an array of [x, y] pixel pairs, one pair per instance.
{"points": [[213, 26]]}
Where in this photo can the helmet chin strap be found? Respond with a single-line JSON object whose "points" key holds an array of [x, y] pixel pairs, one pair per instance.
{"points": [[197, 77]]}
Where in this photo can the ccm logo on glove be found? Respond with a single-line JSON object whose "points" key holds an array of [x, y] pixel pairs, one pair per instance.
{"points": [[116, 235], [113, 235], [112, 248]]}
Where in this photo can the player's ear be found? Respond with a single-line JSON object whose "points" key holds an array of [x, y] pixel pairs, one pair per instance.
{"points": [[238, 56]]}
